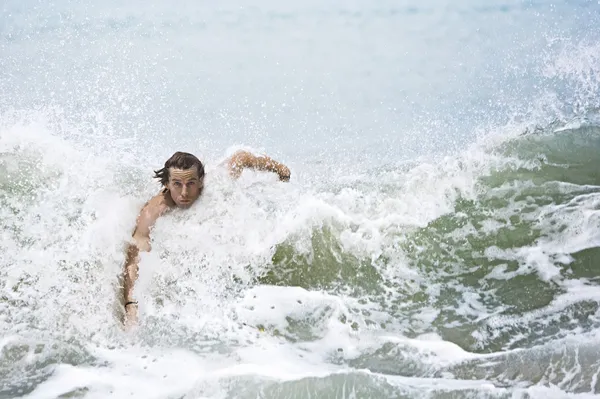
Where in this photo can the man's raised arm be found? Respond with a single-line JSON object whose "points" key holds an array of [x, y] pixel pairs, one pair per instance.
{"points": [[245, 159]]}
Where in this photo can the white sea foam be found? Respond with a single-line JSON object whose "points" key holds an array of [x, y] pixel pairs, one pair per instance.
{"points": [[197, 281], [379, 135]]}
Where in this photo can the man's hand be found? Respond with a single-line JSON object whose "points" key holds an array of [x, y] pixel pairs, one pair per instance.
{"points": [[131, 315], [283, 172]]}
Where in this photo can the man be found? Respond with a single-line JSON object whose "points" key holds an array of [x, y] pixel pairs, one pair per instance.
{"points": [[182, 178]]}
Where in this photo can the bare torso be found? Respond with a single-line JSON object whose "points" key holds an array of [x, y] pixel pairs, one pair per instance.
{"points": [[154, 208]]}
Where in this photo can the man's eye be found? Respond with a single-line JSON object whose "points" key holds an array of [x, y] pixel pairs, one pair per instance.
{"points": [[191, 184], [177, 184]]}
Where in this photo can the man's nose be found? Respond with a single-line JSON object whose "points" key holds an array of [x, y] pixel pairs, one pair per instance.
{"points": [[184, 191]]}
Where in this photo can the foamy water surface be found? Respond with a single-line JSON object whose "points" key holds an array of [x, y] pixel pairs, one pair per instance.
{"points": [[439, 236]]}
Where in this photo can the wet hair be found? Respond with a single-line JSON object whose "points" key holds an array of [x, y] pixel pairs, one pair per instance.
{"points": [[179, 160]]}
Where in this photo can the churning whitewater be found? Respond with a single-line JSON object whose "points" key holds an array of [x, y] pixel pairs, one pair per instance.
{"points": [[439, 236]]}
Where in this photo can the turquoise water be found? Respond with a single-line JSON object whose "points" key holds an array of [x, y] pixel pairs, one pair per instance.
{"points": [[439, 236]]}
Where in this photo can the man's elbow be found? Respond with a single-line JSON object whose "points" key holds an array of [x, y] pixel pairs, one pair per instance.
{"points": [[140, 243]]}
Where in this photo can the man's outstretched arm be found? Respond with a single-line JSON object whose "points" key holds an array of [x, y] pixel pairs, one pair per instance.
{"points": [[140, 242], [244, 159]]}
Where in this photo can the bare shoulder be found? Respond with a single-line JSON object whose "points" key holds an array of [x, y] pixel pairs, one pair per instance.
{"points": [[150, 212], [238, 161], [241, 158]]}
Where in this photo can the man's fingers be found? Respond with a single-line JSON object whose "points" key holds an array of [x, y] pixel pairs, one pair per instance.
{"points": [[284, 173], [131, 317]]}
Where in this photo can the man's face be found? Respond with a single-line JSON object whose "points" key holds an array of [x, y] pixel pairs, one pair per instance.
{"points": [[185, 186]]}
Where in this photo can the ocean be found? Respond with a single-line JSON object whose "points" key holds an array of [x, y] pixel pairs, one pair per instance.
{"points": [[439, 236]]}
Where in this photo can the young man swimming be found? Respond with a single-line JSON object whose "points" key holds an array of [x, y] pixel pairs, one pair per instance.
{"points": [[182, 178]]}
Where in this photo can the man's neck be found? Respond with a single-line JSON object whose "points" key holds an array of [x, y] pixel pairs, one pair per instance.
{"points": [[166, 194]]}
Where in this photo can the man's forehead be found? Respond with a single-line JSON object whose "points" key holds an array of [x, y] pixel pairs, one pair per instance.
{"points": [[183, 174]]}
